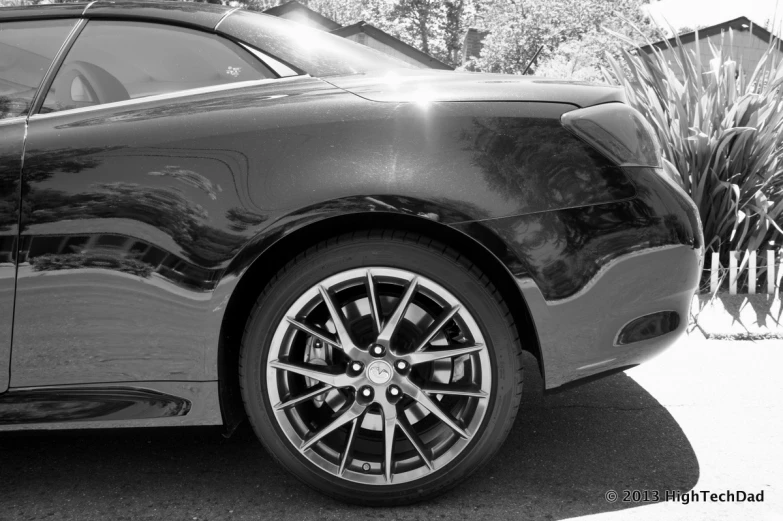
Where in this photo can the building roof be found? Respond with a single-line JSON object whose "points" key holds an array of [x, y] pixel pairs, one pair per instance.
{"points": [[391, 41], [289, 9], [740, 24]]}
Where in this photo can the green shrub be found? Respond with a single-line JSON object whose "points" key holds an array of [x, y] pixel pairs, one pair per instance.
{"points": [[720, 130]]}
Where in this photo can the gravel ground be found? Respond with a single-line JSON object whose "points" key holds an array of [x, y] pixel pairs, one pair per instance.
{"points": [[703, 416]]}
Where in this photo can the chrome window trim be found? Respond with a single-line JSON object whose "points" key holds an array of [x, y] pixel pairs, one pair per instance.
{"points": [[228, 13], [54, 67], [166, 96], [15, 119]]}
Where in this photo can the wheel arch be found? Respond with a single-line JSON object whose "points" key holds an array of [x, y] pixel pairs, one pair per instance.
{"points": [[266, 257]]}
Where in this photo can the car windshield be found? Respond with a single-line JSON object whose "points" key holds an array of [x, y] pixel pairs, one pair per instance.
{"points": [[316, 52]]}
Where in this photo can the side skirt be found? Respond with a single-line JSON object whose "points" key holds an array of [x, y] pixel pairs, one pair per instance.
{"points": [[124, 404]]}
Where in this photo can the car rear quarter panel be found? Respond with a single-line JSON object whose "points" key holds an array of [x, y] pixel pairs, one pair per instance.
{"points": [[587, 272], [208, 181]]}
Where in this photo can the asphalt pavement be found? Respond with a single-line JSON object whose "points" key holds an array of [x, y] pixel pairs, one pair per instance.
{"points": [[704, 416]]}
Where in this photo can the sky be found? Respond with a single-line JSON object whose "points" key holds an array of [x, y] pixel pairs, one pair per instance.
{"points": [[693, 13]]}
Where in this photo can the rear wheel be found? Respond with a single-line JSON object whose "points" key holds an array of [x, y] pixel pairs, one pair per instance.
{"points": [[381, 368]]}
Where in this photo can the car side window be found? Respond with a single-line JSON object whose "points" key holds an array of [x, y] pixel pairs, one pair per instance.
{"points": [[116, 61], [26, 52]]}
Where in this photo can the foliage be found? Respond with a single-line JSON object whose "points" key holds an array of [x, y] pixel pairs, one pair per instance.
{"points": [[568, 32], [435, 27], [347, 12], [720, 128]]}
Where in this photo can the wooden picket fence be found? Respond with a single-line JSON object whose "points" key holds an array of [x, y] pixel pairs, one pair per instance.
{"points": [[768, 272]]}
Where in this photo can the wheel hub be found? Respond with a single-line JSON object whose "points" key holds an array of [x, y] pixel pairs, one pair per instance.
{"points": [[379, 372]]}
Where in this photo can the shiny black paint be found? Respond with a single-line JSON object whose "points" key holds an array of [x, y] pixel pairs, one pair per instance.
{"points": [[597, 268], [196, 15], [420, 85], [563, 250], [141, 221], [11, 146], [146, 210], [73, 404]]}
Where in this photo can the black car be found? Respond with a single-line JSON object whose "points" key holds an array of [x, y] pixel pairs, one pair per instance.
{"points": [[208, 214]]}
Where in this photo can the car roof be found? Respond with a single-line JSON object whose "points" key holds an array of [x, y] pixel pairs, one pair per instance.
{"points": [[201, 15]]}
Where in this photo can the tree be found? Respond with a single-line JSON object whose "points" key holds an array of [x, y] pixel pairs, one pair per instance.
{"points": [[570, 33], [347, 12], [435, 27]]}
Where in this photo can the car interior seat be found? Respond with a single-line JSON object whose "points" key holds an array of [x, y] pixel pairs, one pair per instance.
{"points": [[83, 84]]}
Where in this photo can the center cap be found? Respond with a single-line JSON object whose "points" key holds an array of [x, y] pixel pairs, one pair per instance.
{"points": [[379, 372]]}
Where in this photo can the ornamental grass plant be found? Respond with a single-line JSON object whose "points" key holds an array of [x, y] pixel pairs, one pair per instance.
{"points": [[720, 130]]}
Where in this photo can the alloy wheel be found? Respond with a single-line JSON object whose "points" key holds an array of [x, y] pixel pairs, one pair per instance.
{"points": [[379, 376]]}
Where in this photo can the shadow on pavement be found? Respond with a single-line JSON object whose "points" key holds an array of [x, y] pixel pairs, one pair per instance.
{"points": [[564, 452]]}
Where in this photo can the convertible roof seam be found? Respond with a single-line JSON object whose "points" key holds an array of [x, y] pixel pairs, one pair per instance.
{"points": [[228, 13]]}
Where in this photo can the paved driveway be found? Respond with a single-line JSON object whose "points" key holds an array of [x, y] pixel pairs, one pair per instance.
{"points": [[705, 416]]}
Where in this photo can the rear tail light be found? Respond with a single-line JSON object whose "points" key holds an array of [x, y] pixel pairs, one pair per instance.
{"points": [[617, 131]]}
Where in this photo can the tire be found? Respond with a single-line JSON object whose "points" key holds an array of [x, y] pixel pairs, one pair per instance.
{"points": [[371, 435]]}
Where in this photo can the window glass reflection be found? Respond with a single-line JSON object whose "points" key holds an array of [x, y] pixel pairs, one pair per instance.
{"points": [[26, 51], [117, 61]]}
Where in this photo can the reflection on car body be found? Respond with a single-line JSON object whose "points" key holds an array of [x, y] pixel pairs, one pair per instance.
{"points": [[209, 215]]}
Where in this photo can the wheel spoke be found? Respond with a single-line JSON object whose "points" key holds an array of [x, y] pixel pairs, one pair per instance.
{"points": [[432, 355], [456, 390], [353, 412], [349, 444], [436, 326], [318, 333], [375, 305], [424, 453], [339, 324], [314, 372], [432, 406], [316, 391], [391, 325], [389, 425]]}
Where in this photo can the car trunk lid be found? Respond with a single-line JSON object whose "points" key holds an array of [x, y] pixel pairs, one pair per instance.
{"points": [[423, 85]]}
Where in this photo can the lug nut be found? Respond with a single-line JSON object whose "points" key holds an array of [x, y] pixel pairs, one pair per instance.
{"points": [[393, 394], [401, 365], [365, 395], [377, 350], [355, 369]]}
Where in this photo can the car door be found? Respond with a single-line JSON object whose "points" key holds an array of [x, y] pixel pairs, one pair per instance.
{"points": [[27, 49], [135, 201]]}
